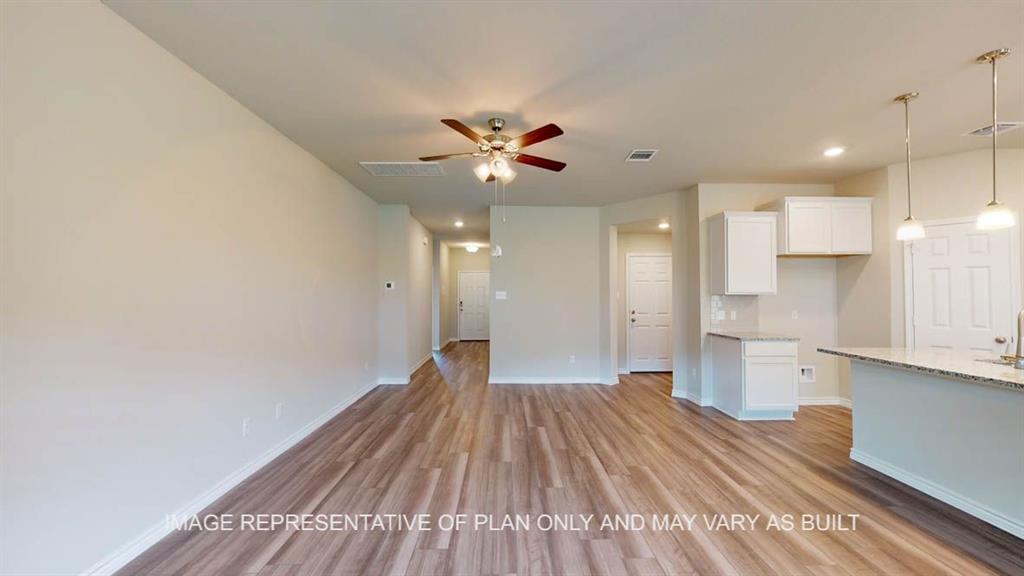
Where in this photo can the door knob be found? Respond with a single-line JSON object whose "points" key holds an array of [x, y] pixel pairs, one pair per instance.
{"points": [[1000, 339], [632, 319]]}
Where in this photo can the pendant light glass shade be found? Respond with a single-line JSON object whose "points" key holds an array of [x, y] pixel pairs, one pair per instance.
{"points": [[910, 230], [995, 216]]}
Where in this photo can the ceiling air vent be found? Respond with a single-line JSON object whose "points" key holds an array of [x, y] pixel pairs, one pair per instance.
{"points": [[1003, 127], [641, 155], [403, 168]]}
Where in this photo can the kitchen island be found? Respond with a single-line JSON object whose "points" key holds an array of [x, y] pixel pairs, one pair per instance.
{"points": [[945, 423]]}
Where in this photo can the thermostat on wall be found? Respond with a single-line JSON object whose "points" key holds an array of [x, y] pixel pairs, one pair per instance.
{"points": [[389, 285]]}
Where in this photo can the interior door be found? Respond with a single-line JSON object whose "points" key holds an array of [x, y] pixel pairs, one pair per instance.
{"points": [[649, 312], [474, 305], [962, 289]]}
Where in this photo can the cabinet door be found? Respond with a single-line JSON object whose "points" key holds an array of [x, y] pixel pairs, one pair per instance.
{"points": [[750, 255], [808, 227], [770, 383], [851, 228]]}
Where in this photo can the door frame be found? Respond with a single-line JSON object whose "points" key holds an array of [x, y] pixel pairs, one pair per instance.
{"points": [[625, 320], [458, 298], [908, 274]]}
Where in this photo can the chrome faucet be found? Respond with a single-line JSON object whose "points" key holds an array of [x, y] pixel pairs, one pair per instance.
{"points": [[1018, 362]]}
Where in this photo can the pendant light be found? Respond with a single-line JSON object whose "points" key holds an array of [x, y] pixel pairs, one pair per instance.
{"points": [[910, 229], [995, 216]]}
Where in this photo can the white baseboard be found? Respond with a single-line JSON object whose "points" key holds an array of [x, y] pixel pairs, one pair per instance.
{"points": [[126, 553], [547, 380], [940, 493], [824, 401], [625, 371], [392, 381], [422, 361], [609, 381], [686, 395]]}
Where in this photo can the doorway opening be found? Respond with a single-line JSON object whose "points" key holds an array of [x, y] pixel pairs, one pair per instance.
{"points": [[644, 296], [461, 292]]}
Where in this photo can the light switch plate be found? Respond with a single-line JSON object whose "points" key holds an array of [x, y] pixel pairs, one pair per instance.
{"points": [[501, 295]]}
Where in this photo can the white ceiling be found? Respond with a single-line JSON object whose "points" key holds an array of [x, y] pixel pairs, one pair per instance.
{"points": [[729, 91]]}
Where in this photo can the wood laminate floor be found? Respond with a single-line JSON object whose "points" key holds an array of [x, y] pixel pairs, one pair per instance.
{"points": [[449, 443]]}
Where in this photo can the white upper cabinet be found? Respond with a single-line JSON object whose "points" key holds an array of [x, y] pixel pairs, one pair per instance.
{"points": [[824, 226], [742, 252]]}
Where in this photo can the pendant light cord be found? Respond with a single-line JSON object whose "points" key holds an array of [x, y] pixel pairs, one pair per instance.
{"points": [[995, 128], [906, 109]]}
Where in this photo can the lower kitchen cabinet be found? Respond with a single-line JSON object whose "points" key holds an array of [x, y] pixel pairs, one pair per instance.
{"points": [[754, 378]]}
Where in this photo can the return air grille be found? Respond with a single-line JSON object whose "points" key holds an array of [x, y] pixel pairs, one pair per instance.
{"points": [[403, 168], [1003, 127], [641, 155]]}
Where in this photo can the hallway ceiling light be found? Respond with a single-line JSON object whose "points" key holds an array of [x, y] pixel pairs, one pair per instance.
{"points": [[910, 229], [472, 248], [459, 223], [663, 226], [995, 216], [834, 151]]}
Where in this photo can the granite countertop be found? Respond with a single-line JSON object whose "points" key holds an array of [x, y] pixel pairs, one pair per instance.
{"points": [[752, 336], [950, 364]]}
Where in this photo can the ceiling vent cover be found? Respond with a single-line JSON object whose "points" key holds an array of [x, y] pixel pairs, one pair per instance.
{"points": [[1003, 127], [403, 168], [641, 155]]}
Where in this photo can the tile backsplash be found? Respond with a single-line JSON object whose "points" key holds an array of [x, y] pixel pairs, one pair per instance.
{"points": [[733, 312]]}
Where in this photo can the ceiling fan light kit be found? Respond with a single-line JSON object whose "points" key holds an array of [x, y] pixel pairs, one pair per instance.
{"points": [[497, 150]]}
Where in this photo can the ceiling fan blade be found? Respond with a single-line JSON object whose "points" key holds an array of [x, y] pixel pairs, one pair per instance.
{"points": [[539, 135], [446, 156], [490, 178], [540, 162], [464, 130]]}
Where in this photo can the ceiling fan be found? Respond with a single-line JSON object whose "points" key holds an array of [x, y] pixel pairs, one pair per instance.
{"points": [[501, 149]]}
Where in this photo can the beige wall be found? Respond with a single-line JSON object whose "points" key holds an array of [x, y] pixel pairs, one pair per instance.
{"points": [[954, 186], [806, 285], [654, 243], [462, 261], [870, 288], [393, 305], [171, 265], [418, 322], [549, 268]]}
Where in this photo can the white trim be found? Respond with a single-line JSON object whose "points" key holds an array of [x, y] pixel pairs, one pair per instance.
{"points": [[126, 553], [908, 273], [626, 322], [458, 300], [824, 401], [941, 493], [626, 372], [549, 380], [689, 397], [392, 381], [420, 363]]}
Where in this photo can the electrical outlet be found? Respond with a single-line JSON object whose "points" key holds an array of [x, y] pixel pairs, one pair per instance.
{"points": [[366, 366], [795, 314], [246, 426], [693, 373], [732, 314], [572, 359], [278, 411]]}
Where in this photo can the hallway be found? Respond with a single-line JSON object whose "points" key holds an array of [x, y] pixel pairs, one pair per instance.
{"points": [[449, 443]]}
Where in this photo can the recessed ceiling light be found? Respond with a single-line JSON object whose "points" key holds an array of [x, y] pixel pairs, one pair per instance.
{"points": [[834, 151], [663, 226], [472, 248], [459, 224]]}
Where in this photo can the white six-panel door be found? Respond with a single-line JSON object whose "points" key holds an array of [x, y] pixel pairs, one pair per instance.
{"points": [[474, 305], [962, 289], [649, 312]]}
